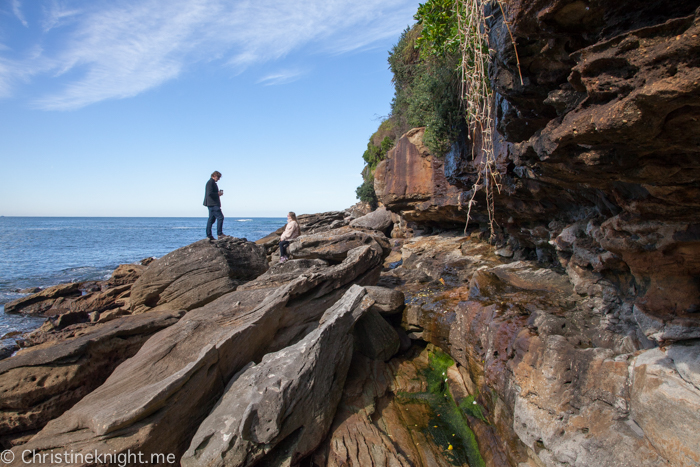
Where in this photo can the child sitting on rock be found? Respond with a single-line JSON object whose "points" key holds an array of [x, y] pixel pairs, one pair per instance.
{"points": [[291, 232]]}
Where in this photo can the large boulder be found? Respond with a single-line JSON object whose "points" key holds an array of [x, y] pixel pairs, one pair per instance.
{"points": [[309, 224], [281, 408], [334, 245], [386, 301], [411, 181], [379, 220], [154, 401], [321, 222], [40, 383], [197, 274]]}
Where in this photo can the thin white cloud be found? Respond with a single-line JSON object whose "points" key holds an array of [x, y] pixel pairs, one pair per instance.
{"points": [[17, 10], [57, 14], [281, 77], [120, 49]]}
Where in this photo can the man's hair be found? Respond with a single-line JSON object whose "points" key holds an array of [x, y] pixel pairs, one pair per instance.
{"points": [[216, 174], [293, 216]]}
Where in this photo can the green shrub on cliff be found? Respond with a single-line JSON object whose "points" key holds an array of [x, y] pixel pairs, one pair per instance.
{"points": [[425, 63], [440, 34], [378, 146], [375, 154], [366, 194]]}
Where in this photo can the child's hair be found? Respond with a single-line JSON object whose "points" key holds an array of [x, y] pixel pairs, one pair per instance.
{"points": [[293, 216]]}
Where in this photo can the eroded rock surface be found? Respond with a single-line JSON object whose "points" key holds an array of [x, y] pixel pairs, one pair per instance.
{"points": [[197, 274], [379, 220], [558, 360], [41, 302], [280, 409], [155, 401], [40, 383], [412, 181], [334, 246]]}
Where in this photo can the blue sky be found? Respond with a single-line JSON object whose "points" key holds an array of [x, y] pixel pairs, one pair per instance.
{"points": [[124, 108]]}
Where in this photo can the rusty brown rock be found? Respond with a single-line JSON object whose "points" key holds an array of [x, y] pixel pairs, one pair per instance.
{"points": [[40, 383], [412, 181], [41, 302], [126, 274]]}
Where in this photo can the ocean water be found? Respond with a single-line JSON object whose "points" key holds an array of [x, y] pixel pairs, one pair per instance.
{"points": [[45, 251]]}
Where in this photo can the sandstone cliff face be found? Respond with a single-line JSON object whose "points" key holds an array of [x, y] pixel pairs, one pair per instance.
{"points": [[614, 140], [412, 181], [567, 338]]}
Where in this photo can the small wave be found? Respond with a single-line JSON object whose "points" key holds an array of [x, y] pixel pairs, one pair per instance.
{"points": [[244, 220], [185, 228]]}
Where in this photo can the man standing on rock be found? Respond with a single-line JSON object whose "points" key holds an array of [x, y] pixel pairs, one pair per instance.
{"points": [[212, 201]]}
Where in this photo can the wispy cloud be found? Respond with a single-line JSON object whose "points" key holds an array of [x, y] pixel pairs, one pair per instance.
{"points": [[57, 14], [281, 77], [17, 10], [120, 49]]}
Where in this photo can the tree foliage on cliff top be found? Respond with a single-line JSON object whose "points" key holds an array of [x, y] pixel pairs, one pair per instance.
{"points": [[425, 63], [427, 81]]}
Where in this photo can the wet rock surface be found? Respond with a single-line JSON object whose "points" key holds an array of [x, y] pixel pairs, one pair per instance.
{"points": [[556, 357]]}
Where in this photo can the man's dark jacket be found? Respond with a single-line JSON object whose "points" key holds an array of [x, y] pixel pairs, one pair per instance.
{"points": [[211, 194]]}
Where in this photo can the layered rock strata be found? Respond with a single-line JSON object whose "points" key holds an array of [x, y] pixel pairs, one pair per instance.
{"points": [[42, 382], [564, 371], [566, 333], [279, 410], [197, 274], [155, 401]]}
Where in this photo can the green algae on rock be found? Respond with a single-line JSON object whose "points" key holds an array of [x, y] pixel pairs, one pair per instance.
{"points": [[443, 420]]}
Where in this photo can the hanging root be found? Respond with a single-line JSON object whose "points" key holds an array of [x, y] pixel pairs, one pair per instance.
{"points": [[477, 97]]}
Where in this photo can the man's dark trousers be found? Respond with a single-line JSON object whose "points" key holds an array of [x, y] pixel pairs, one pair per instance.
{"points": [[215, 213]]}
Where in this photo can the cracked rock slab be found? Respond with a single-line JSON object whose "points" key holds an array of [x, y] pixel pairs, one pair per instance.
{"points": [[287, 401], [196, 274], [154, 402]]}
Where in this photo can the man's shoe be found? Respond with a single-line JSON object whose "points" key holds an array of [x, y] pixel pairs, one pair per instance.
{"points": [[211, 239], [222, 236]]}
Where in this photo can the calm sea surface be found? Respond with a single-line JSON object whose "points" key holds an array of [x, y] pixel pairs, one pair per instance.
{"points": [[44, 251]]}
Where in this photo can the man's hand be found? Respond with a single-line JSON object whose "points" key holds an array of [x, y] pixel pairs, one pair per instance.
{"points": [[221, 192]]}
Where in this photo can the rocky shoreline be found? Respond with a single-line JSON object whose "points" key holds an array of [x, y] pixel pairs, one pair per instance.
{"points": [[569, 335], [341, 367]]}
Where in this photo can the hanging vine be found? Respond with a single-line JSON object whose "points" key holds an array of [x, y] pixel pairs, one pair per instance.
{"points": [[477, 97]]}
